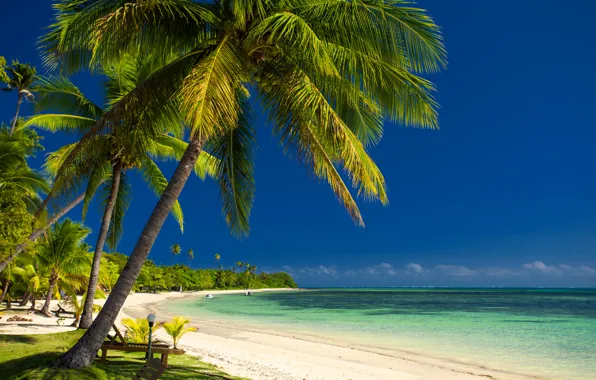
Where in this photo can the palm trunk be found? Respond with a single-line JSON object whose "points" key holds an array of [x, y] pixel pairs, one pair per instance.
{"points": [[83, 352], [32, 301], [87, 315], [4, 290], [46, 306], [35, 234], [26, 298], [16, 115]]}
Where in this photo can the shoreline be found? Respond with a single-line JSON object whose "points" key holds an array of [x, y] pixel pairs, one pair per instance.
{"points": [[265, 354], [261, 353]]}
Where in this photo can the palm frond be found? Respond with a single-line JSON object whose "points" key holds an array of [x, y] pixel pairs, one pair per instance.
{"points": [[208, 94], [234, 151], [158, 183], [206, 164], [59, 93], [122, 202], [60, 122]]}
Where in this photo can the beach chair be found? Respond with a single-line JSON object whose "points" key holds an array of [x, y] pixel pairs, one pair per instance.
{"points": [[118, 343], [152, 370]]}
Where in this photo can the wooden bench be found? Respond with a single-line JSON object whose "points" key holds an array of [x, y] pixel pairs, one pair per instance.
{"points": [[152, 370], [121, 345]]}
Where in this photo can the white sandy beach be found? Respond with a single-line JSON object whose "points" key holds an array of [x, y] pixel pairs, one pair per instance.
{"points": [[275, 356]]}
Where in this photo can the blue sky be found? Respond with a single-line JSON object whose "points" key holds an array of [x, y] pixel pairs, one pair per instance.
{"points": [[502, 195]]}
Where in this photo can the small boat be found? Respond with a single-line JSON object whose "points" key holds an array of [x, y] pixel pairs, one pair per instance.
{"points": [[209, 296]]}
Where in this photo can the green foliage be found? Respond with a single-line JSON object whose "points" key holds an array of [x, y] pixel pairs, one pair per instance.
{"points": [[15, 220], [173, 277], [137, 330], [329, 73], [176, 328], [21, 76], [3, 76]]}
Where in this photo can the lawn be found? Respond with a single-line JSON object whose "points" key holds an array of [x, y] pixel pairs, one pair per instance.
{"points": [[30, 357]]}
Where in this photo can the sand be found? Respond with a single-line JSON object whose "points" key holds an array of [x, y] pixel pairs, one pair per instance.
{"points": [[267, 355]]}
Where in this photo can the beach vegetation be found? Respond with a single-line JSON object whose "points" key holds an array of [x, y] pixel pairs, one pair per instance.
{"points": [[21, 77], [177, 327], [137, 329], [65, 258]]}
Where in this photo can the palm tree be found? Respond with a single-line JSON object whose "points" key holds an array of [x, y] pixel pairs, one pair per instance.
{"points": [[176, 328], [21, 77], [328, 73], [191, 255], [110, 164], [3, 76], [63, 255], [175, 250], [217, 257]]}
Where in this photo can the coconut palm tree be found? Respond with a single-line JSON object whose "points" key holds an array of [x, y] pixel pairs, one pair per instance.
{"points": [[191, 255], [21, 77], [63, 255], [3, 76], [108, 165], [175, 250], [328, 73]]}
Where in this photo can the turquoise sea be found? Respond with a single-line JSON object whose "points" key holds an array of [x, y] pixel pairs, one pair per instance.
{"points": [[550, 333]]}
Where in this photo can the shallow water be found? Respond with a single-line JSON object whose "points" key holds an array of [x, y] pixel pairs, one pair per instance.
{"points": [[542, 332]]}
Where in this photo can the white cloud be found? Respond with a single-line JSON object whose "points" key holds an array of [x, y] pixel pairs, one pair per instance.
{"points": [[456, 270], [415, 268], [383, 268], [539, 266], [288, 268], [320, 270], [587, 270]]}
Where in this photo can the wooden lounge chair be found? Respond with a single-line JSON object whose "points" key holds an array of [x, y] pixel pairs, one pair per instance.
{"points": [[152, 370], [122, 345], [62, 310]]}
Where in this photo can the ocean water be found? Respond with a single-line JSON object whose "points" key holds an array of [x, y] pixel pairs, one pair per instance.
{"points": [[549, 333]]}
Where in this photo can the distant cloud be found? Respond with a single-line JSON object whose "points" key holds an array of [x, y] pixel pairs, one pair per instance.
{"points": [[559, 270], [456, 270], [414, 268], [320, 270], [414, 272], [541, 267], [287, 269]]}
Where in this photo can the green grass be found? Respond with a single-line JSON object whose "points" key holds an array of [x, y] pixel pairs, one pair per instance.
{"points": [[30, 357]]}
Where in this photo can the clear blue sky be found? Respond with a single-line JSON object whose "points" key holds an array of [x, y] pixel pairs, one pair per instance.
{"points": [[503, 194]]}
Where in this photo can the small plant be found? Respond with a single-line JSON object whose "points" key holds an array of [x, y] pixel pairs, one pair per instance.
{"points": [[60, 321], [137, 330], [177, 327]]}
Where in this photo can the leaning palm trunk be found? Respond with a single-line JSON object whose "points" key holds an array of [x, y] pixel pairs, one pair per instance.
{"points": [[83, 352], [16, 115], [37, 233], [87, 316], [26, 298], [46, 306], [4, 290]]}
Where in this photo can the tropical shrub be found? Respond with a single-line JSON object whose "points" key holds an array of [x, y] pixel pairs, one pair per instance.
{"points": [[137, 329], [177, 327]]}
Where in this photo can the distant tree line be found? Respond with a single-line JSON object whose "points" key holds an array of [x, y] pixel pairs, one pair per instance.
{"points": [[156, 278]]}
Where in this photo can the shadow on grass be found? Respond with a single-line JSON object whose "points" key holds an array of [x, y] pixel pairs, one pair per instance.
{"points": [[26, 339], [15, 367]]}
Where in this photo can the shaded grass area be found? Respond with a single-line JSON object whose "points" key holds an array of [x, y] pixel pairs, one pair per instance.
{"points": [[30, 357]]}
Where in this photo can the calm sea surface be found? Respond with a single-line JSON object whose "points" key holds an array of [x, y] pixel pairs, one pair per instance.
{"points": [[544, 332]]}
